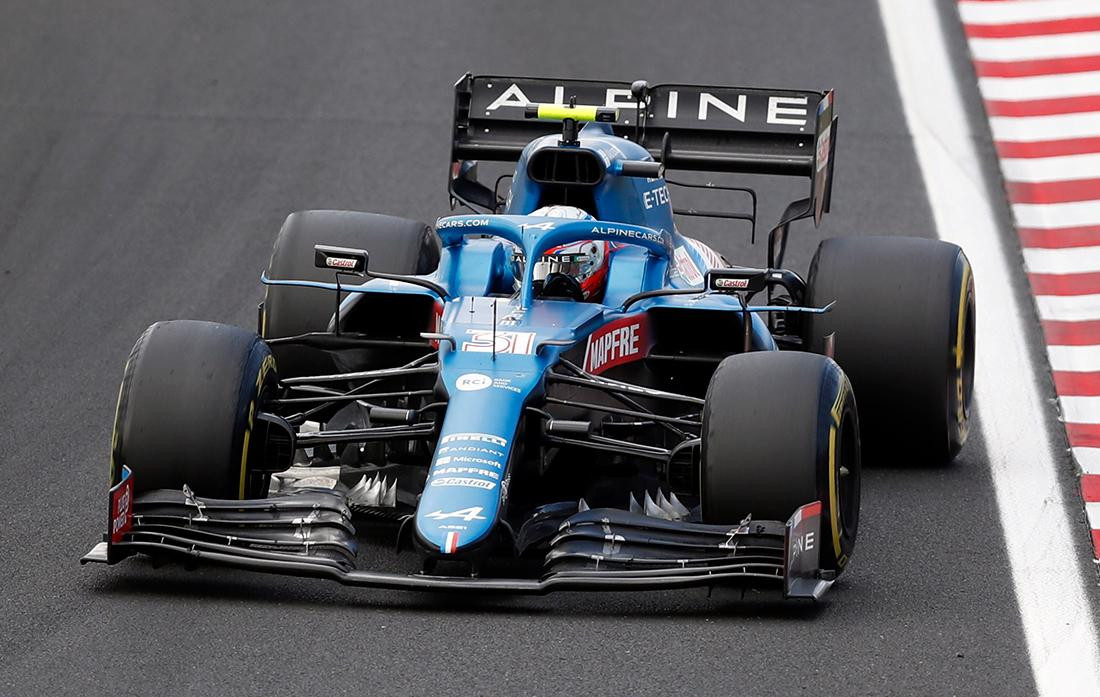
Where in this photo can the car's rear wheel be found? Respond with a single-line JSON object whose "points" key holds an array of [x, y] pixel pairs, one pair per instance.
{"points": [[780, 430], [903, 331], [187, 410], [395, 245]]}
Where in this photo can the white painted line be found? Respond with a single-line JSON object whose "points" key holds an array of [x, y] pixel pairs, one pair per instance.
{"points": [[1041, 86], [1092, 510], [1058, 127], [1052, 215], [1061, 261], [1051, 169], [1026, 48], [1078, 359], [1040, 541], [1068, 308], [1080, 410], [985, 12], [1088, 459]]}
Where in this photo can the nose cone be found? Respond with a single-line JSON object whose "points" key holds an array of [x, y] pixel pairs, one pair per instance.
{"points": [[467, 484]]}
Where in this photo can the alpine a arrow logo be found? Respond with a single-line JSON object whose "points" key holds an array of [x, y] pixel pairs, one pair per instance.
{"points": [[467, 514]]}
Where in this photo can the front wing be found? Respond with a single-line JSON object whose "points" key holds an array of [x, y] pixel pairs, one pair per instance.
{"points": [[311, 533]]}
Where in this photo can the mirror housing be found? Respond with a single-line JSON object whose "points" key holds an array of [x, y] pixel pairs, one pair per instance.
{"points": [[341, 259], [466, 188], [737, 280]]}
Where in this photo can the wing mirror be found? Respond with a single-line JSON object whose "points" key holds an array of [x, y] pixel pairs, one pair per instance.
{"points": [[341, 259], [467, 189], [737, 280]]}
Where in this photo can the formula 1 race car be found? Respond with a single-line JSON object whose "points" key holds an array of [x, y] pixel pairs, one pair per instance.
{"points": [[562, 391]]}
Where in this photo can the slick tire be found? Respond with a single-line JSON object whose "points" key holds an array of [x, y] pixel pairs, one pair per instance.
{"points": [[780, 430], [186, 409], [395, 245], [903, 331]]}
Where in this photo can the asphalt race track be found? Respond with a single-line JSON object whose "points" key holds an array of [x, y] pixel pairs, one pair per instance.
{"points": [[149, 152]]}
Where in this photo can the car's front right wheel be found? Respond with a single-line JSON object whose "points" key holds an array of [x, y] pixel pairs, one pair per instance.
{"points": [[780, 430]]}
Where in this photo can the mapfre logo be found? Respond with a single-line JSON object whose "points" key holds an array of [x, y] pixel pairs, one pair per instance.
{"points": [[622, 341]]}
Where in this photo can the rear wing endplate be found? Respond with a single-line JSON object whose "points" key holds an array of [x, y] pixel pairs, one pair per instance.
{"points": [[688, 127]]}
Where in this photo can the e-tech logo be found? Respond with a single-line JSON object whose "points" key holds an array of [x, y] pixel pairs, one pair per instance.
{"points": [[655, 197], [622, 341], [649, 235]]}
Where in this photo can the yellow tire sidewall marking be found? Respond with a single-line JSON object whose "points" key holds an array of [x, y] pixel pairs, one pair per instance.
{"points": [[267, 366], [960, 348], [115, 428], [834, 518]]}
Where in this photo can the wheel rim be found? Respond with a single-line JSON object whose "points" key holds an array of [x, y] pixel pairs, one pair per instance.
{"points": [[848, 484], [968, 355]]}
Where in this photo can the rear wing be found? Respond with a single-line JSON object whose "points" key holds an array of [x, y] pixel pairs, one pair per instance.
{"points": [[689, 127]]}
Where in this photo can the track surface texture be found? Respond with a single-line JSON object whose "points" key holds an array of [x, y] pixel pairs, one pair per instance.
{"points": [[148, 154]]}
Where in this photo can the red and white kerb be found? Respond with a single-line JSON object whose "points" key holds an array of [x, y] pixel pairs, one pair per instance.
{"points": [[1038, 69]]}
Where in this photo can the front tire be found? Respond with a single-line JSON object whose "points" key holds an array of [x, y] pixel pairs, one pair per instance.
{"points": [[780, 430], [186, 410]]}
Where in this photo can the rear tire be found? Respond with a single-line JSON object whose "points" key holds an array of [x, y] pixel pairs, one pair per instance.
{"points": [[780, 430], [186, 409], [396, 245], [903, 329]]}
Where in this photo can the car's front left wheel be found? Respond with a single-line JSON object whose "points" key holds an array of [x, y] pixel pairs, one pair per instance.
{"points": [[187, 410]]}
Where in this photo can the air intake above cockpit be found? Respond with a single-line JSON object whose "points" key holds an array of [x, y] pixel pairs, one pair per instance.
{"points": [[573, 166]]}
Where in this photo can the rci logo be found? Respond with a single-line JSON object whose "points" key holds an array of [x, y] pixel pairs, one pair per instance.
{"points": [[472, 382]]}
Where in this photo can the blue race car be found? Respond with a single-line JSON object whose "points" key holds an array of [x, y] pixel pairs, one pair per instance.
{"points": [[558, 390]]}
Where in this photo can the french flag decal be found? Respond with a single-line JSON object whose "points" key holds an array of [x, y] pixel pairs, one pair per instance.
{"points": [[450, 543]]}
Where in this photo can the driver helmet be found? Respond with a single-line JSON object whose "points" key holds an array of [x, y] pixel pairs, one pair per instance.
{"points": [[585, 261]]}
